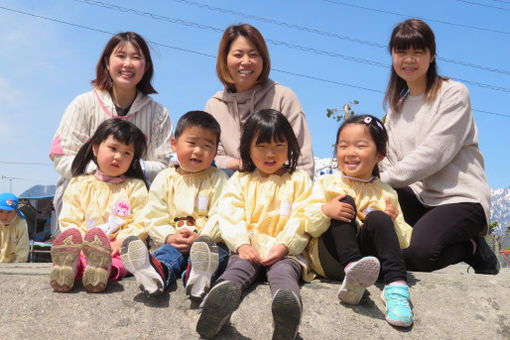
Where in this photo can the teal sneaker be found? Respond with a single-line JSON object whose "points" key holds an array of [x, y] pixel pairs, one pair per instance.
{"points": [[398, 310]]}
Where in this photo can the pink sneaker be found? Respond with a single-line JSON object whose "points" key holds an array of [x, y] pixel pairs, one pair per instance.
{"points": [[65, 253], [97, 250]]}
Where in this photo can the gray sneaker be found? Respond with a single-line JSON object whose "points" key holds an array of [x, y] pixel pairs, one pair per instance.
{"points": [[219, 304], [287, 312]]}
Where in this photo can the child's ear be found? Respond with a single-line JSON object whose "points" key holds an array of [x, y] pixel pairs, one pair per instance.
{"points": [[95, 148], [173, 144], [380, 157]]}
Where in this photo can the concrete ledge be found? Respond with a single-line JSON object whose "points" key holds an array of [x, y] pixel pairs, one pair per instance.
{"points": [[448, 304]]}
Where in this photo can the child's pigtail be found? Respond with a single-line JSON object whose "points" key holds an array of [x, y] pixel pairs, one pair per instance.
{"points": [[82, 158]]}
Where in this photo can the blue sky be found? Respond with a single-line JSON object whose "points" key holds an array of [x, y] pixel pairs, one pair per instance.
{"points": [[46, 63]]}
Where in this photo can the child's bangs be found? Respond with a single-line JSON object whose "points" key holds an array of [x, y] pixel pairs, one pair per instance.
{"points": [[268, 133], [406, 39]]}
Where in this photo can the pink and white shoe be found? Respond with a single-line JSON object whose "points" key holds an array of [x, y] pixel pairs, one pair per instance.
{"points": [[358, 276], [65, 253], [98, 252]]}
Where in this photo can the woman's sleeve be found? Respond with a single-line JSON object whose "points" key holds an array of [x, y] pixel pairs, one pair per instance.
{"points": [[231, 218], [156, 215], [291, 108], [221, 158], [73, 214], [160, 143], [293, 235], [316, 223], [71, 134], [450, 127], [22, 247], [138, 198]]}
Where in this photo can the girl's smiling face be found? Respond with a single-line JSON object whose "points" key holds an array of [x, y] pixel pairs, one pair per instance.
{"points": [[114, 157], [356, 152], [268, 157], [126, 65]]}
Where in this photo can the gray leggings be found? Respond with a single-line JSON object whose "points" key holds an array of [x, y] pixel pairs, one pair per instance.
{"points": [[283, 274]]}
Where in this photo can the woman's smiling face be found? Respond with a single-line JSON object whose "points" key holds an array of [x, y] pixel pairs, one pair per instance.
{"points": [[244, 63]]}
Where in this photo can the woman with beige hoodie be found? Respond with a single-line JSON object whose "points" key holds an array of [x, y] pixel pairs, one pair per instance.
{"points": [[243, 66]]}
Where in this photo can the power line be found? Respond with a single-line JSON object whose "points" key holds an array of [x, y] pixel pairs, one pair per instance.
{"points": [[483, 5], [213, 57], [282, 23], [220, 30], [276, 42], [407, 16], [322, 33]]}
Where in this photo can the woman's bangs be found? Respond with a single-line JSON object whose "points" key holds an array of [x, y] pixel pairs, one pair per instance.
{"points": [[411, 39]]}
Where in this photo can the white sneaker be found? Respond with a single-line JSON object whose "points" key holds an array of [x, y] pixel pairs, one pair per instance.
{"points": [[204, 260], [148, 271], [360, 275]]}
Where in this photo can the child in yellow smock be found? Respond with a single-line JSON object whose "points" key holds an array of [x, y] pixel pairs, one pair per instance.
{"points": [[101, 210], [182, 199], [259, 221], [13, 230], [359, 222]]}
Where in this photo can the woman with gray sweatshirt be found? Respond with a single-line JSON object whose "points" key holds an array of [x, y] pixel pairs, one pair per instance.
{"points": [[243, 66], [433, 158]]}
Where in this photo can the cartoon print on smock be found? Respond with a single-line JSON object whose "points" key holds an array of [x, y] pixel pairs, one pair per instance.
{"points": [[120, 216]]}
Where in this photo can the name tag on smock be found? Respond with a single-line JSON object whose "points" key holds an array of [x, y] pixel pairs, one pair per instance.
{"points": [[201, 203], [285, 208]]}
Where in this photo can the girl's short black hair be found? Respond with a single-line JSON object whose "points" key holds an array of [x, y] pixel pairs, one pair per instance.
{"points": [[199, 119], [377, 132], [124, 132], [268, 125]]}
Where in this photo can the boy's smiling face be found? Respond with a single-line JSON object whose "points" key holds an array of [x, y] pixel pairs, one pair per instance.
{"points": [[195, 148], [6, 216]]}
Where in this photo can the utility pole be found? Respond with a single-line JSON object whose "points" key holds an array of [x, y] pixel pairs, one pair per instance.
{"points": [[10, 179]]}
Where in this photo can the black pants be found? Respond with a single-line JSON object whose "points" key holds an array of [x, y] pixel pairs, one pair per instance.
{"points": [[377, 237], [441, 235]]}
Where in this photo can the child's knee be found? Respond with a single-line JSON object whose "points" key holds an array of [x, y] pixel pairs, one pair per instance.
{"points": [[378, 217], [348, 199]]}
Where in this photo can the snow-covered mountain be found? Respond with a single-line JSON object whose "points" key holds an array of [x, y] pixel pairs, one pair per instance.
{"points": [[500, 198], [500, 206]]}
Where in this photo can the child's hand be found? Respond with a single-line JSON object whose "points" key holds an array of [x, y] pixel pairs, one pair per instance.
{"points": [[249, 253], [116, 245], [276, 253], [337, 210], [182, 240], [390, 210]]}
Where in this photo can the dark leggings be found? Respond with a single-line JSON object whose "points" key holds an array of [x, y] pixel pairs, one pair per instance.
{"points": [[284, 274], [377, 237], [441, 235]]}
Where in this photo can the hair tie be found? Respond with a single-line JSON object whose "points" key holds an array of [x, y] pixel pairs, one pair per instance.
{"points": [[88, 141]]}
